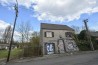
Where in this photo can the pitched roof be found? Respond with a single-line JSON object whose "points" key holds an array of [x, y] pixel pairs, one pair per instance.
{"points": [[95, 34], [55, 27]]}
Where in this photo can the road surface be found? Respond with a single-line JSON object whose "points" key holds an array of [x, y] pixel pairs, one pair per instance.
{"points": [[81, 59]]}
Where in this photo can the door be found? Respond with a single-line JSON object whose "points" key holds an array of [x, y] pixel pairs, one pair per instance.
{"points": [[50, 48], [61, 46]]}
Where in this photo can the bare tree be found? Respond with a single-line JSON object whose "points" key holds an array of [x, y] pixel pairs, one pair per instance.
{"points": [[76, 28], [35, 34], [21, 31], [27, 31], [24, 29], [0, 36], [83, 27], [7, 34]]}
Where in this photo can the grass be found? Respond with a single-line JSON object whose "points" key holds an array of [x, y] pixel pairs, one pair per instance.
{"points": [[15, 53], [3, 54]]}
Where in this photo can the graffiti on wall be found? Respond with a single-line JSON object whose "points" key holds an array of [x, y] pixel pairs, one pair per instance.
{"points": [[70, 46], [61, 46], [50, 48]]}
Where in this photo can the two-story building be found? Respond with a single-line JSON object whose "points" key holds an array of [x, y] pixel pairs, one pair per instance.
{"points": [[56, 38]]}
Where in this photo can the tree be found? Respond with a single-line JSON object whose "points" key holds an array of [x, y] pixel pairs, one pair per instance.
{"points": [[35, 42], [83, 44], [35, 39], [76, 28], [0, 36], [0, 33], [27, 31], [82, 35], [7, 34], [35, 34], [24, 29]]}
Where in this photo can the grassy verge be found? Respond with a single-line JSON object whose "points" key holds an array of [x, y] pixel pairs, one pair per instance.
{"points": [[3, 54], [15, 53]]}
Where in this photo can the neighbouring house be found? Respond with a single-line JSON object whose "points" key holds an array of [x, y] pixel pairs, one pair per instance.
{"points": [[94, 34], [3, 46], [6, 46], [56, 38]]}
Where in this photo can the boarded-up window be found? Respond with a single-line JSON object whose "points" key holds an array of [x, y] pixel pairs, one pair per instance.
{"points": [[49, 34], [68, 34]]}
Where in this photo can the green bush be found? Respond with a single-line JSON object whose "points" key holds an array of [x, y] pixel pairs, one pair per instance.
{"points": [[84, 46], [95, 45]]}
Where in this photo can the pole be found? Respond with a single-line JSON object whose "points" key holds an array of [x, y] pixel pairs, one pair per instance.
{"points": [[16, 9], [88, 35]]}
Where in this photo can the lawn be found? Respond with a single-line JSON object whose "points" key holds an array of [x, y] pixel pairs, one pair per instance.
{"points": [[3, 54], [15, 53]]}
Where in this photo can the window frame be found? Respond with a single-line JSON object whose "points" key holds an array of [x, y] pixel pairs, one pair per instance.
{"points": [[67, 35], [45, 34]]}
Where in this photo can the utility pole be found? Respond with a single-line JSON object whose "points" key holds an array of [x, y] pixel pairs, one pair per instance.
{"points": [[88, 35], [16, 12]]}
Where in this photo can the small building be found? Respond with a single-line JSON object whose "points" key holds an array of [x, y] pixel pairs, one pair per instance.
{"points": [[56, 38], [95, 35], [3, 46], [6, 46]]}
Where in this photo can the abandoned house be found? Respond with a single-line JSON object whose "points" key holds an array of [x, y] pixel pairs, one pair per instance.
{"points": [[57, 38]]}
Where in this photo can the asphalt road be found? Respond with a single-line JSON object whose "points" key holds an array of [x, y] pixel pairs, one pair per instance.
{"points": [[81, 59]]}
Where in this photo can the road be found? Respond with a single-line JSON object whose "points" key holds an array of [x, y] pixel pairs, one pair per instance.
{"points": [[81, 59]]}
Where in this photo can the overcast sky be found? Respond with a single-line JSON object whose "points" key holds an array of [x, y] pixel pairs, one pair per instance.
{"points": [[66, 12]]}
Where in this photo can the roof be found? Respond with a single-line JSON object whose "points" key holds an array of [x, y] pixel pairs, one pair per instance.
{"points": [[4, 44], [55, 27], [95, 34]]}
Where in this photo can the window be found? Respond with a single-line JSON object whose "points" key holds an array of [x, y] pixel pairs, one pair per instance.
{"points": [[49, 34], [68, 34]]}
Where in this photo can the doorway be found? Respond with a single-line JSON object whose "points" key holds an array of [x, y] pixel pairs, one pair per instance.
{"points": [[61, 46], [50, 48]]}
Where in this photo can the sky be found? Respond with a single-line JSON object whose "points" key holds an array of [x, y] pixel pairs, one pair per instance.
{"points": [[65, 12]]}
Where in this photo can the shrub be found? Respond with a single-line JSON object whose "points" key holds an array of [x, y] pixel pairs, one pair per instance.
{"points": [[84, 45], [32, 50]]}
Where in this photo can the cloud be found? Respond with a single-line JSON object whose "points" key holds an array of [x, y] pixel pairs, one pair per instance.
{"points": [[17, 36], [95, 28], [57, 10], [26, 3], [3, 25], [61, 10]]}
